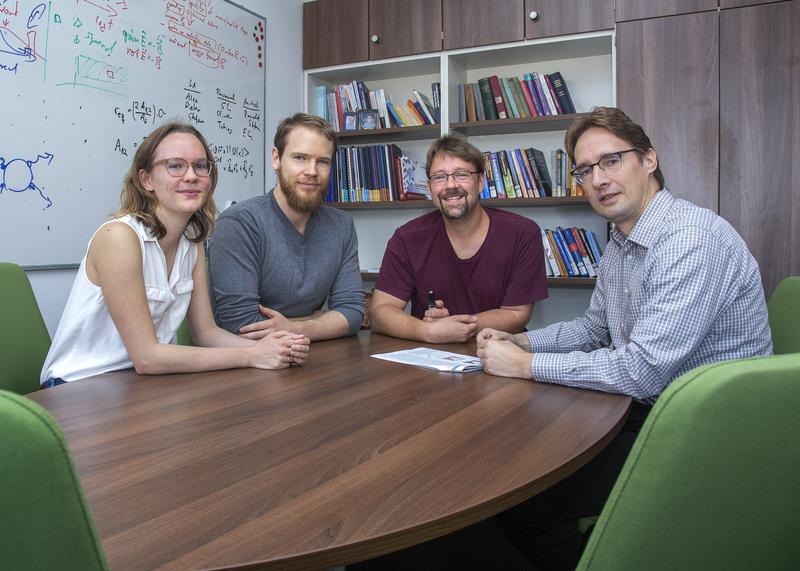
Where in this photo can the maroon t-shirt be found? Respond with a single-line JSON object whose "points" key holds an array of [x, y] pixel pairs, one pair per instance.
{"points": [[507, 270]]}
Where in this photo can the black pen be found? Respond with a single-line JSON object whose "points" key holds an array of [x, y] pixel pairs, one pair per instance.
{"points": [[431, 300]]}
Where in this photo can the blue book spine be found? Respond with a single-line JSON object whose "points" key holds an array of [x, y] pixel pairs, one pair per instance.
{"points": [[567, 260], [592, 240], [498, 178], [529, 185], [573, 250], [534, 96]]}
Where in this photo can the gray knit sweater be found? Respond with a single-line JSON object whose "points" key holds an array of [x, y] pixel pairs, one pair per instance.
{"points": [[257, 256]]}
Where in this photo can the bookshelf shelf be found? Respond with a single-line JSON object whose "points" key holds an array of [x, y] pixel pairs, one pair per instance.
{"points": [[499, 202], [552, 282], [509, 126], [393, 135]]}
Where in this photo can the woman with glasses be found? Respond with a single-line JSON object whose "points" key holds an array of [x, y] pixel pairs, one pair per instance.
{"points": [[145, 270]]}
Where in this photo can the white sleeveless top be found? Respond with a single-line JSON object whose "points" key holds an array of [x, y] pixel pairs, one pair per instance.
{"points": [[87, 342]]}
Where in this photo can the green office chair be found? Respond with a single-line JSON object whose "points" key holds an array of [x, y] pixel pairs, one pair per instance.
{"points": [[784, 316], [45, 522], [712, 480], [24, 340], [184, 334]]}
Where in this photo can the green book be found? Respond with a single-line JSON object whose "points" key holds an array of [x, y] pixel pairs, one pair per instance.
{"points": [[489, 110], [508, 98]]}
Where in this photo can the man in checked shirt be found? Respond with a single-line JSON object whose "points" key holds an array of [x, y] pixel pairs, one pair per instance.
{"points": [[677, 288]]}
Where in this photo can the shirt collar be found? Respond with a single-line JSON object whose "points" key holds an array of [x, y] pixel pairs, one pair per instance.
{"points": [[649, 225]]}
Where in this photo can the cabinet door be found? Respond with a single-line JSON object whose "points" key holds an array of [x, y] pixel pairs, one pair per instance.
{"points": [[469, 23], [641, 9], [404, 27], [559, 17], [739, 3], [760, 126], [335, 32], [667, 81]]}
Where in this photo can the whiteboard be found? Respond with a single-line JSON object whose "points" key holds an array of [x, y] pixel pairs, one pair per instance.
{"points": [[83, 81]]}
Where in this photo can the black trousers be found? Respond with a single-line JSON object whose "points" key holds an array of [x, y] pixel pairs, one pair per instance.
{"points": [[545, 527], [540, 533]]}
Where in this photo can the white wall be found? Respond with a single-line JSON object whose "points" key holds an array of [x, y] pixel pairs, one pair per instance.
{"points": [[284, 87]]}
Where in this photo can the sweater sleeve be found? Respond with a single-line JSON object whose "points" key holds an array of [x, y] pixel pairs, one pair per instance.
{"points": [[347, 293]]}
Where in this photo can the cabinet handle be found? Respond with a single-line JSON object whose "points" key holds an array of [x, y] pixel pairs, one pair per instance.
{"points": [[375, 39], [534, 15]]}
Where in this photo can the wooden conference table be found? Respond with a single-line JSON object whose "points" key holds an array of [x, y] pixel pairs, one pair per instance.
{"points": [[340, 460]]}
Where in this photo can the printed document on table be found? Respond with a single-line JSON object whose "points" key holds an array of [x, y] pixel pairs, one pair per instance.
{"points": [[434, 359]]}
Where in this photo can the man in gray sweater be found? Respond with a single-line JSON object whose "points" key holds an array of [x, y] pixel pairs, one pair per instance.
{"points": [[275, 259]]}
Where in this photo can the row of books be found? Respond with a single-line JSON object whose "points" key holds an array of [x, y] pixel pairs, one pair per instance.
{"points": [[524, 173], [533, 95], [354, 96], [376, 173], [571, 252]]}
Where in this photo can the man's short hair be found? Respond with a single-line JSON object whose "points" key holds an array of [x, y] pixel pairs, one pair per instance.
{"points": [[312, 122], [457, 147], [617, 122]]}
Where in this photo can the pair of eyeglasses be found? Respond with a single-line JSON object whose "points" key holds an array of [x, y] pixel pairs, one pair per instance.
{"points": [[440, 179], [178, 167], [609, 163]]}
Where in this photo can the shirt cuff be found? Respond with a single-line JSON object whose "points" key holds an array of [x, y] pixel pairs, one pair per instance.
{"points": [[547, 367]]}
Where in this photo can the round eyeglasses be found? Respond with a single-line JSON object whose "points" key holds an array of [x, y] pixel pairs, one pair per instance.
{"points": [[178, 167], [609, 163], [461, 177]]}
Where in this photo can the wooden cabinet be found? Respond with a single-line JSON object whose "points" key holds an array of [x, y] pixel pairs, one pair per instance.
{"points": [[741, 3], [404, 28], [470, 23], [760, 133], [641, 9], [339, 32], [335, 32], [544, 18], [667, 81]]}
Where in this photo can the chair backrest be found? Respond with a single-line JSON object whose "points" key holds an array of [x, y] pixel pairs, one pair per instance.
{"points": [[784, 316], [712, 480], [45, 522], [24, 340]]}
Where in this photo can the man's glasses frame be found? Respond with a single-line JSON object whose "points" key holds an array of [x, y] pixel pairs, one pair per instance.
{"points": [[608, 163], [460, 177]]}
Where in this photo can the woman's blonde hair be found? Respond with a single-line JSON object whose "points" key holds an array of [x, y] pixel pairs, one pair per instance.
{"points": [[141, 204]]}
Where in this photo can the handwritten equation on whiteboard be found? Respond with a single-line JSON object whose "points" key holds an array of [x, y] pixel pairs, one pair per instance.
{"points": [[129, 71]]}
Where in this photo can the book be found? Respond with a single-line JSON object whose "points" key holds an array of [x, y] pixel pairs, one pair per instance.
{"points": [[542, 173], [529, 187], [548, 253], [425, 104], [534, 95], [516, 91], [505, 173], [511, 105], [494, 83], [469, 102], [587, 262], [537, 85], [552, 91], [489, 175], [498, 177], [462, 107], [563, 254], [572, 247], [489, 109], [443, 361], [528, 98], [476, 97], [562, 93]]}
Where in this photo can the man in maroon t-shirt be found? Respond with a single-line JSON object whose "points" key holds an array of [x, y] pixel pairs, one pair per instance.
{"points": [[485, 266]]}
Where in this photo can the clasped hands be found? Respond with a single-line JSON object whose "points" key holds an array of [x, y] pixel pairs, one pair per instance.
{"points": [[288, 347], [445, 328], [504, 354]]}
